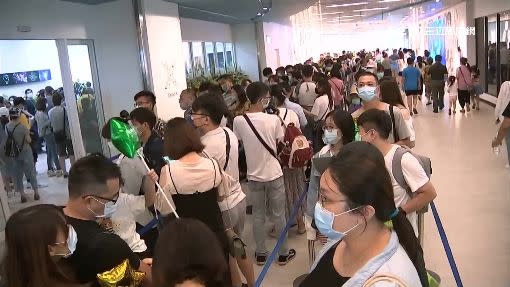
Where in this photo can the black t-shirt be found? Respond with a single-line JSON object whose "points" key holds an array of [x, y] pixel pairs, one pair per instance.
{"points": [[97, 250], [153, 153], [324, 274], [437, 71], [506, 112]]}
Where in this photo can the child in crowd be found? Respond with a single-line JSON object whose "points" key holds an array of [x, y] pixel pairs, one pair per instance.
{"points": [[451, 89], [477, 88]]}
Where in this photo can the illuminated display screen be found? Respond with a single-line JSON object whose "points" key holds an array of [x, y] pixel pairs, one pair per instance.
{"points": [[19, 78]]}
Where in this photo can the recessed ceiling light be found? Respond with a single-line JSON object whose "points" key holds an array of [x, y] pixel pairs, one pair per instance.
{"points": [[371, 9], [346, 5], [265, 8], [259, 14], [437, 1], [433, 9]]}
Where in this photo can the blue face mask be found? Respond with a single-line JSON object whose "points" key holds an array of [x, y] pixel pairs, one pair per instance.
{"points": [[366, 93], [380, 75], [331, 137], [324, 221], [109, 209]]}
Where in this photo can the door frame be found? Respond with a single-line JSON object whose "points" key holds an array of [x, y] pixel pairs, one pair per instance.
{"points": [[70, 98]]}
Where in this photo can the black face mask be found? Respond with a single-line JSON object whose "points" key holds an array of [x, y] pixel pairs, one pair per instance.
{"points": [[4, 120]]}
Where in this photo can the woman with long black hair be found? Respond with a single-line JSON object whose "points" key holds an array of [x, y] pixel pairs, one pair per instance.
{"points": [[370, 240], [321, 107]]}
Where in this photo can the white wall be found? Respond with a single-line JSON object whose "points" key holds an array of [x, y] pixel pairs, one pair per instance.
{"points": [[29, 55], [110, 25], [246, 49], [278, 37], [165, 55], [488, 7], [204, 31]]}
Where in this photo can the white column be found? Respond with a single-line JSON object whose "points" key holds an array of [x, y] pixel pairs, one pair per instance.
{"points": [[165, 55]]}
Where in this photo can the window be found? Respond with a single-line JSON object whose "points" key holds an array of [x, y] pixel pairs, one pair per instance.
{"points": [[187, 59], [220, 53], [229, 55], [208, 58]]}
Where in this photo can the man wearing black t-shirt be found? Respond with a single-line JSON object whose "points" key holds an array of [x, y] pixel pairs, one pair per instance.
{"points": [[94, 184], [144, 120]]}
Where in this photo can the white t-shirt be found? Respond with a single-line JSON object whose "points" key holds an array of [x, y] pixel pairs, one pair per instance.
{"points": [[216, 148], [321, 107], [291, 117], [133, 171], [415, 177], [262, 166], [124, 225], [307, 95]]}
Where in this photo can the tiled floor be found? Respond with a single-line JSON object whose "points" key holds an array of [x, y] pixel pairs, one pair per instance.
{"points": [[473, 201]]}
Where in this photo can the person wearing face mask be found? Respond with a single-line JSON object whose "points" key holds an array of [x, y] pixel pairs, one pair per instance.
{"points": [[36, 249], [143, 121], [355, 203], [260, 134], [368, 91], [221, 144], [185, 101], [147, 99], [338, 130], [29, 101], [321, 107], [231, 100], [375, 127], [337, 85], [94, 185]]}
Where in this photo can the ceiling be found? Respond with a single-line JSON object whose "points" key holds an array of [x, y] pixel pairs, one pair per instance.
{"points": [[330, 12]]}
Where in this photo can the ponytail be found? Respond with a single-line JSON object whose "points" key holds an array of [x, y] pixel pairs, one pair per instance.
{"points": [[408, 240]]}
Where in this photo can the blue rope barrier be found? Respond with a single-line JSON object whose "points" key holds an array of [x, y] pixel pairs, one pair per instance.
{"points": [[281, 238], [446, 245], [148, 227]]}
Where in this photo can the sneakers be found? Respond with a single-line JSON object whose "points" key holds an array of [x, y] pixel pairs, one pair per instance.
{"points": [[468, 108], [415, 111], [462, 111], [51, 173], [260, 259], [284, 259], [449, 112], [59, 173]]}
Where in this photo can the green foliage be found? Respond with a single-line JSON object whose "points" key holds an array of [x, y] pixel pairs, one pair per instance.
{"points": [[202, 77]]}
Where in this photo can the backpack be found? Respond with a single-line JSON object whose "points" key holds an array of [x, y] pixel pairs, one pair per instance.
{"points": [[11, 148], [398, 174], [295, 150]]}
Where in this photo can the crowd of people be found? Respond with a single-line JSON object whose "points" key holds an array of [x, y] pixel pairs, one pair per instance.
{"points": [[340, 124]]}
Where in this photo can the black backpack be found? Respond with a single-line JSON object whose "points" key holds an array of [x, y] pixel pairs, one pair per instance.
{"points": [[11, 148]]}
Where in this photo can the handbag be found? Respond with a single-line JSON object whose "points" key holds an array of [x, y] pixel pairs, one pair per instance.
{"points": [[470, 86], [384, 278], [235, 243]]}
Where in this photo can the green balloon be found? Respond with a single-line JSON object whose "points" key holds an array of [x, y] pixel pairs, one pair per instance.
{"points": [[124, 138]]}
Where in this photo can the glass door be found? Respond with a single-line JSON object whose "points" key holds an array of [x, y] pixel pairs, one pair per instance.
{"points": [[83, 95]]}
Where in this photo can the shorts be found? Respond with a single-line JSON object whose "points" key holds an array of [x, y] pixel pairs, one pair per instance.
{"points": [[235, 217], [65, 148], [412, 92]]}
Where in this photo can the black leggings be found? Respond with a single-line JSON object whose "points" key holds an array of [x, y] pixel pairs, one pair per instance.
{"points": [[464, 98]]}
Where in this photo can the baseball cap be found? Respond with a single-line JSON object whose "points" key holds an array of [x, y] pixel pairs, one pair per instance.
{"points": [[4, 112]]}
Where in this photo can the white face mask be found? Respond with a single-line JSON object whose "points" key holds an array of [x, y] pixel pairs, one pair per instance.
{"points": [[30, 95]]}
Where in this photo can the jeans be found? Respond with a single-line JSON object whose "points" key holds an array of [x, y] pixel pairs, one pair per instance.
{"points": [[24, 165], [274, 192], [437, 93], [51, 152]]}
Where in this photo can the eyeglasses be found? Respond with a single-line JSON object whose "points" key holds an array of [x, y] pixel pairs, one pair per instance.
{"points": [[114, 200], [194, 116], [142, 103]]}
